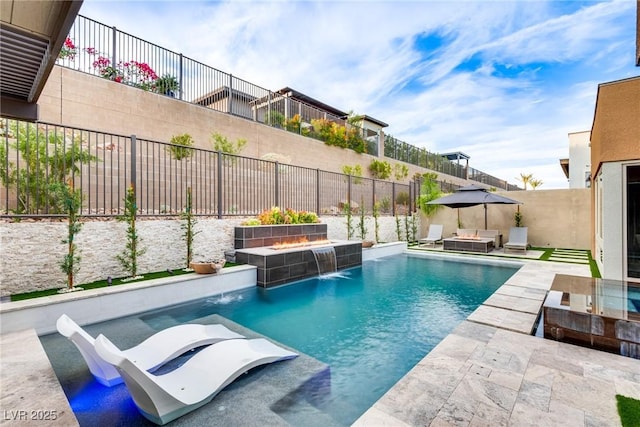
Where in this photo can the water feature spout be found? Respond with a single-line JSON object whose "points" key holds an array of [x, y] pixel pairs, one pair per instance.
{"points": [[325, 259]]}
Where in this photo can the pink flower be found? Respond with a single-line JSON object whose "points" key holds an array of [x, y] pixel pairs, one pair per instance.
{"points": [[68, 43]]}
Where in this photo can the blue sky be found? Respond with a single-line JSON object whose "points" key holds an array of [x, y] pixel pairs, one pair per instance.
{"points": [[502, 81]]}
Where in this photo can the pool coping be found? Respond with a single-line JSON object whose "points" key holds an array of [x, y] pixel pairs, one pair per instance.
{"points": [[97, 305]]}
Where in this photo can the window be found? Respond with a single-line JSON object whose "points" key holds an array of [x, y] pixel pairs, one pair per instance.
{"points": [[633, 221]]}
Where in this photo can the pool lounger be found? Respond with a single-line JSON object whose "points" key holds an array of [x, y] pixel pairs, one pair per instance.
{"points": [[164, 398], [150, 354]]}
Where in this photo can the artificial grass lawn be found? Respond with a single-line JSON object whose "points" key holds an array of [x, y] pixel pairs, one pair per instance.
{"points": [[629, 410], [103, 283]]}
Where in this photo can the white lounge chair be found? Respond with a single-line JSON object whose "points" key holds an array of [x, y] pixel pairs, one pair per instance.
{"points": [[151, 353], [164, 398], [434, 236], [517, 240]]}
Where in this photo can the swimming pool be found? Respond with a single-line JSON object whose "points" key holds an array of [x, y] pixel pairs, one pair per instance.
{"points": [[371, 324]]}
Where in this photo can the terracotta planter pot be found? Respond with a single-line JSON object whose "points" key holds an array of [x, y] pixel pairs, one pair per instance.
{"points": [[207, 267]]}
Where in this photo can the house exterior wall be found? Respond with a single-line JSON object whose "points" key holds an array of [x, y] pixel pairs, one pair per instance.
{"points": [[579, 159], [615, 135], [615, 141], [555, 218]]}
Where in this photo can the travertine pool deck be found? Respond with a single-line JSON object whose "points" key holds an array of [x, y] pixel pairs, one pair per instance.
{"points": [[490, 371]]}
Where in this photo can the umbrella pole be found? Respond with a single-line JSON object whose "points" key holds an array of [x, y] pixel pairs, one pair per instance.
{"points": [[485, 216]]}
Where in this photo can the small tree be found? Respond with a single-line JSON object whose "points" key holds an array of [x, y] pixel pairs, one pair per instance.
{"points": [[414, 229], [188, 225], [47, 159], [398, 228], [525, 179], [407, 229], [69, 201], [535, 183], [228, 148], [429, 190], [376, 215], [349, 218], [518, 217], [129, 257], [362, 226]]}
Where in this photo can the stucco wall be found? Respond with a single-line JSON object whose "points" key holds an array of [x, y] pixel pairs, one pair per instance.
{"points": [[615, 135], [76, 99], [555, 218], [32, 250]]}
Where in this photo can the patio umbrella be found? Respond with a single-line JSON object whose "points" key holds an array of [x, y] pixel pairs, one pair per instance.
{"points": [[473, 195]]}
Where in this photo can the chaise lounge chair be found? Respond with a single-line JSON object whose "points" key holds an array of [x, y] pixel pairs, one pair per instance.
{"points": [[164, 398], [434, 236], [517, 240], [149, 354]]}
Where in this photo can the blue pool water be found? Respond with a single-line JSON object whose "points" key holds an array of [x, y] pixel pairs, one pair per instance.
{"points": [[371, 324]]}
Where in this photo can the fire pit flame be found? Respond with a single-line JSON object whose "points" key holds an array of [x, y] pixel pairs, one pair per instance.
{"points": [[468, 237], [298, 243]]}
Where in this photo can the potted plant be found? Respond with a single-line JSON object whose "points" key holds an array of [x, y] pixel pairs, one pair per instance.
{"points": [[208, 266], [166, 85]]}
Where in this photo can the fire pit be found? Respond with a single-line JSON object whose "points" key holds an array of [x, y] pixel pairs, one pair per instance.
{"points": [[468, 244], [285, 253]]}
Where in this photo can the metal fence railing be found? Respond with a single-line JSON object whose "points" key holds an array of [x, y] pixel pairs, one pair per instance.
{"points": [[107, 52], [399, 150], [37, 157]]}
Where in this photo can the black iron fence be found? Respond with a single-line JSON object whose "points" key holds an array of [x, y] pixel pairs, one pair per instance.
{"points": [[35, 159], [107, 52], [396, 149]]}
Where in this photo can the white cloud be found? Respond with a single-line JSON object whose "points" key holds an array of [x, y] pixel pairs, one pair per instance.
{"points": [[533, 78]]}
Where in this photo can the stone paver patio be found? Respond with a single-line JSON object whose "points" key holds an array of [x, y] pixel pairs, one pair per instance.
{"points": [[490, 371]]}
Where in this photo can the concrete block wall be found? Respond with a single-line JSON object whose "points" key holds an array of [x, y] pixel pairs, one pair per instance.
{"points": [[73, 98]]}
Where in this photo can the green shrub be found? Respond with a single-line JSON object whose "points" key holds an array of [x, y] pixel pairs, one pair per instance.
{"points": [[275, 216], [402, 198], [274, 118], [380, 169], [400, 171], [354, 171], [221, 143], [180, 144], [46, 161]]}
